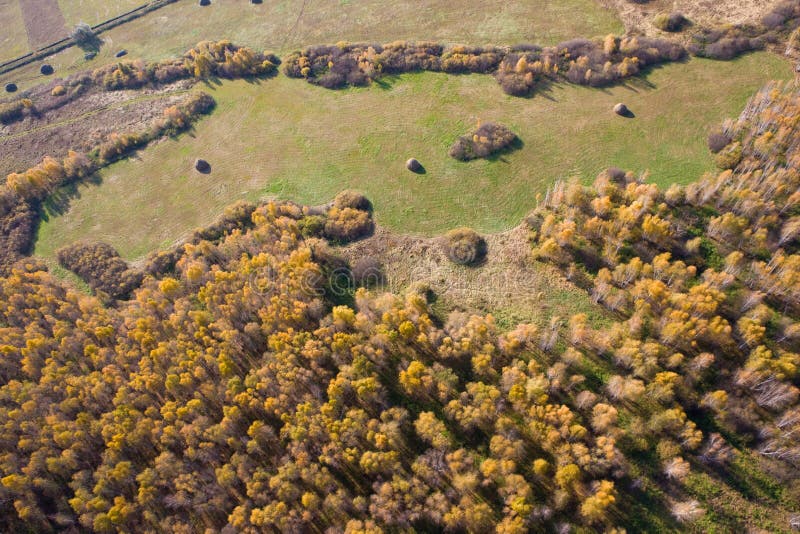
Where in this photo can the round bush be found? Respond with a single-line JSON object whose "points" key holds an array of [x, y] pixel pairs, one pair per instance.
{"points": [[11, 87], [490, 138], [352, 199], [46, 69], [121, 53], [347, 224], [670, 22], [464, 246]]}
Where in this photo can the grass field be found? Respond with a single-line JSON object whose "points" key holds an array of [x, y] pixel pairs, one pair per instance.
{"points": [[13, 39], [283, 25], [95, 11], [288, 139]]}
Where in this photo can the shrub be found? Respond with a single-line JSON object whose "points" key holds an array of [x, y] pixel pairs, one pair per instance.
{"points": [[58, 90], [352, 199], [717, 141], [730, 47], [464, 246], [488, 139], [347, 224], [669, 22], [730, 156], [311, 226], [773, 20], [100, 266]]}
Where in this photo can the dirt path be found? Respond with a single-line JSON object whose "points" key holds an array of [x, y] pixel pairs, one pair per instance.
{"points": [[44, 22]]}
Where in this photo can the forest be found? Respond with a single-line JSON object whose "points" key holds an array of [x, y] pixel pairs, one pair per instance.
{"points": [[252, 379]]}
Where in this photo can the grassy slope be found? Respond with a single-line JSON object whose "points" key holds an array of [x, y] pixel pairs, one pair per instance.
{"points": [[13, 39], [95, 11], [275, 25], [288, 139]]}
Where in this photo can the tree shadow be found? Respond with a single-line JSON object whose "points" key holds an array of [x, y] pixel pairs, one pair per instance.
{"points": [[59, 202], [543, 89], [386, 82]]}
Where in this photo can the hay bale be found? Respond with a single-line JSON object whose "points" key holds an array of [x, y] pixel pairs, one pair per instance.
{"points": [[205, 2], [11, 88], [202, 166], [622, 110], [46, 69], [413, 165], [121, 53]]}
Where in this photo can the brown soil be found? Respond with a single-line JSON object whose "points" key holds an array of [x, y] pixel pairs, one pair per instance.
{"points": [[638, 17], [44, 22], [80, 124], [508, 284]]}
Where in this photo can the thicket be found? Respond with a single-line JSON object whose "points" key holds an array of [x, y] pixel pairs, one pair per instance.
{"points": [[100, 266], [488, 139], [730, 41], [206, 60], [517, 69]]}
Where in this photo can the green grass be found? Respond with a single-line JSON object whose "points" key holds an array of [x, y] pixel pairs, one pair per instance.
{"points": [[95, 11], [276, 25], [288, 139], [13, 39]]}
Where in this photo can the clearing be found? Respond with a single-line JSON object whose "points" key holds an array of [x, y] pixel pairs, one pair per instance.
{"points": [[286, 138]]}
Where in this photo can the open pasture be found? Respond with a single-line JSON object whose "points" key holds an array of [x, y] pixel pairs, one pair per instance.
{"points": [[288, 139]]}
